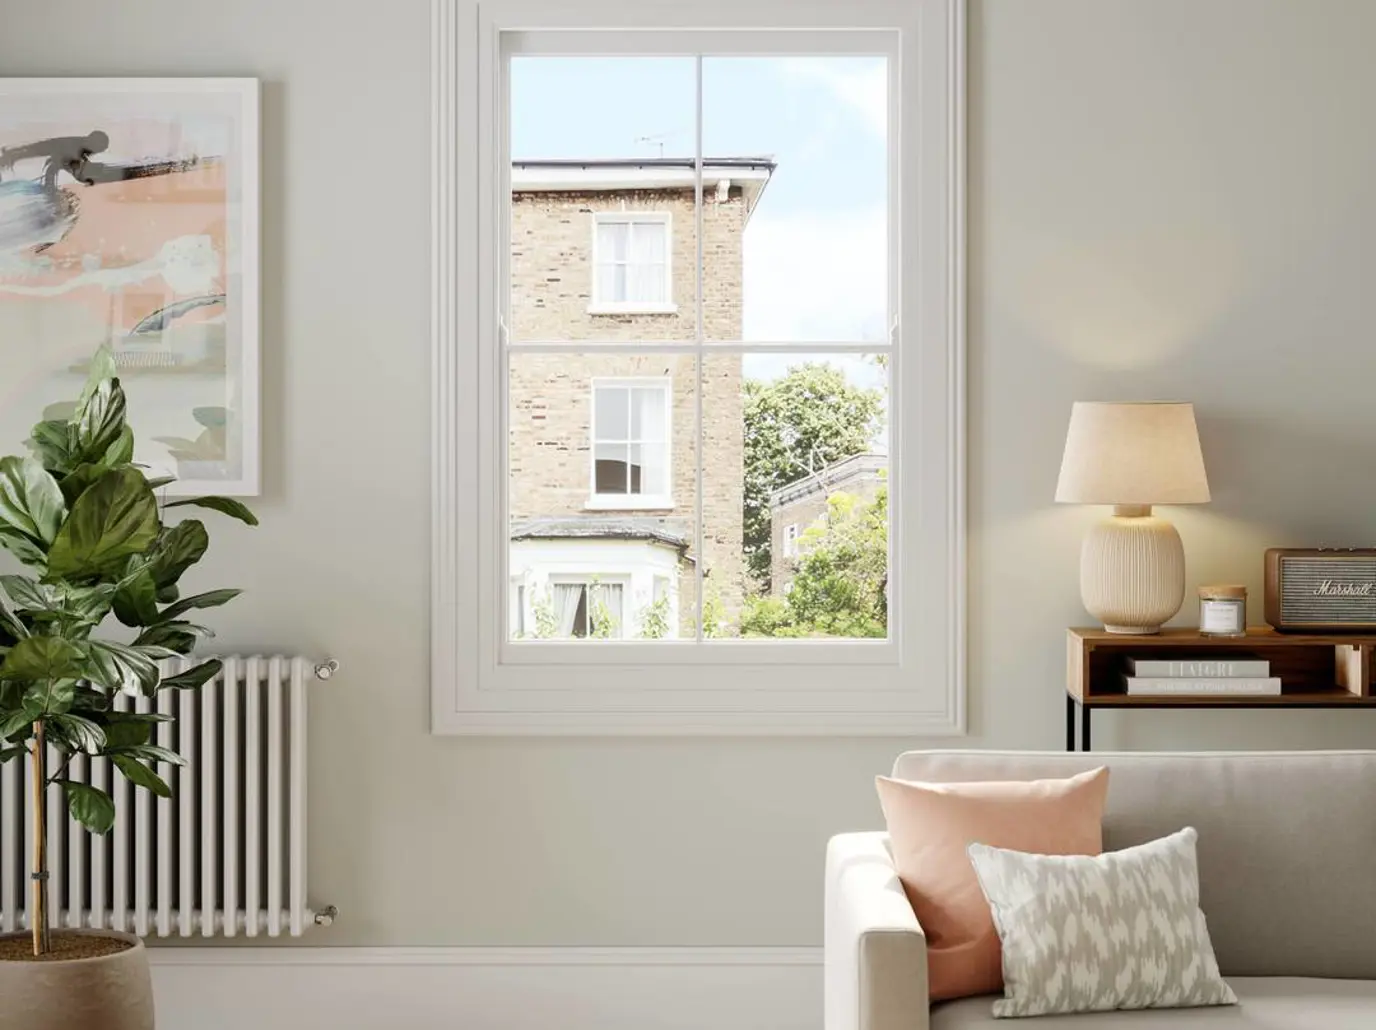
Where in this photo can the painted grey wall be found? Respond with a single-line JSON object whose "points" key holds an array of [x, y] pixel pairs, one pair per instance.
{"points": [[1169, 199]]}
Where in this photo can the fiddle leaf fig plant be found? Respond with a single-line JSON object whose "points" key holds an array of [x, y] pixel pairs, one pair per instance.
{"points": [[86, 524]]}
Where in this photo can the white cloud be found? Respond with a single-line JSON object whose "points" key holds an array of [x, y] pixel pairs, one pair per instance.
{"points": [[861, 84], [816, 276]]}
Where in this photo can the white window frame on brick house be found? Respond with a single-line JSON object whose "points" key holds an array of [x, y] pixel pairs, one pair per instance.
{"points": [[632, 306], [913, 682], [633, 501], [791, 540]]}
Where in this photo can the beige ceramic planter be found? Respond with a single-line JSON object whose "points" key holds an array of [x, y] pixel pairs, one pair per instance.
{"points": [[110, 992]]}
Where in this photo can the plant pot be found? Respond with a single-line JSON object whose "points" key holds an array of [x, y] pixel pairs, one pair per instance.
{"points": [[105, 992]]}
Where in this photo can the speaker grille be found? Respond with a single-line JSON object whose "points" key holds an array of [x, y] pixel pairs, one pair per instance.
{"points": [[1327, 591]]}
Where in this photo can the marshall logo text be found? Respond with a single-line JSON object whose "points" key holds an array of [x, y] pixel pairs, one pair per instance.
{"points": [[1330, 588]]}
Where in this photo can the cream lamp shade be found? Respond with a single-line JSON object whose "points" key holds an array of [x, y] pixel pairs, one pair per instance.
{"points": [[1132, 456]]}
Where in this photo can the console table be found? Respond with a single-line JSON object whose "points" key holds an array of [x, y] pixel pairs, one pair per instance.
{"points": [[1315, 670]]}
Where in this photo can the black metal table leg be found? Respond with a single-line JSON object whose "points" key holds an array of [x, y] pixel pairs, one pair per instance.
{"points": [[1084, 727], [1069, 723]]}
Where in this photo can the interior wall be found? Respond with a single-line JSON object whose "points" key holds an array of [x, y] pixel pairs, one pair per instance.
{"points": [[1168, 199]]}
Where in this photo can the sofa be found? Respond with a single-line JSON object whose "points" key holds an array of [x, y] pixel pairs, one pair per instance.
{"points": [[1287, 867]]}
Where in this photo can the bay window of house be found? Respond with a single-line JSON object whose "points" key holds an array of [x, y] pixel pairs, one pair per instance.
{"points": [[707, 264]]}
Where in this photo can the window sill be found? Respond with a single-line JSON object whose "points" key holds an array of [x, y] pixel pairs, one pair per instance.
{"points": [[632, 309], [628, 502]]}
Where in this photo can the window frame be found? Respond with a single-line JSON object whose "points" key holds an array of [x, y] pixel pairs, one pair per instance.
{"points": [[790, 540], [914, 682], [629, 501], [600, 306]]}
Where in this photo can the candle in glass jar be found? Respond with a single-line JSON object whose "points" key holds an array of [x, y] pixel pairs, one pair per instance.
{"points": [[1223, 610]]}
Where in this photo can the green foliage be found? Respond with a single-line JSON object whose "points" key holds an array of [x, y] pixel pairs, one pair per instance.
{"points": [[840, 586], [796, 426], [86, 523], [654, 619]]}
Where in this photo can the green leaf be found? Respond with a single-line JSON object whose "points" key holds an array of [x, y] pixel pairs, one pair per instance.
{"points": [[53, 697], [52, 442], [193, 677], [178, 635], [121, 731], [177, 550], [22, 547], [120, 667], [89, 806], [43, 658], [100, 420], [30, 499], [11, 625], [79, 732], [117, 516], [18, 725], [136, 600], [76, 482], [60, 602], [27, 593], [157, 482], [121, 452], [209, 599], [141, 776], [102, 367], [149, 753], [85, 604], [225, 505], [8, 753]]}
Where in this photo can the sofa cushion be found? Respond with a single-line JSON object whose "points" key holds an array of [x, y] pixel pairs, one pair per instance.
{"points": [[1266, 1003], [930, 827], [1287, 842], [1082, 933]]}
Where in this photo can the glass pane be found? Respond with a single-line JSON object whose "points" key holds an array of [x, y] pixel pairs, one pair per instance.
{"points": [[602, 135], [812, 438], [649, 469], [607, 513], [647, 414], [612, 240], [795, 247], [613, 413]]}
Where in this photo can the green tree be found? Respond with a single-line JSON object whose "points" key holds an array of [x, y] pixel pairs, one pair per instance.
{"points": [[840, 586], [794, 427]]}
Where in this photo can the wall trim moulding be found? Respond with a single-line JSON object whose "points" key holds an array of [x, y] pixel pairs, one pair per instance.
{"points": [[421, 988]]}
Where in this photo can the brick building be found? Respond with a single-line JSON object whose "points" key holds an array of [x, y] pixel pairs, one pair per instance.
{"points": [[799, 505], [603, 463]]}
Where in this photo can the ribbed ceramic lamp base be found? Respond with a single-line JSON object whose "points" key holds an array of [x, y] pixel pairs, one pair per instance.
{"points": [[1132, 571]]}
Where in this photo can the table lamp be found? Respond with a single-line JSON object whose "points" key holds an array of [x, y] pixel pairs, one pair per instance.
{"points": [[1132, 565]]}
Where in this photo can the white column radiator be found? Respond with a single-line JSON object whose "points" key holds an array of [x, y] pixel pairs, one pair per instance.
{"points": [[225, 855]]}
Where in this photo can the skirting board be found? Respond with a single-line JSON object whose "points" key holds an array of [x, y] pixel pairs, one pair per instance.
{"points": [[482, 988]]}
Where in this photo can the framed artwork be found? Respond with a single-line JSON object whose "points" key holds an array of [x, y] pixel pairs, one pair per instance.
{"points": [[129, 218]]}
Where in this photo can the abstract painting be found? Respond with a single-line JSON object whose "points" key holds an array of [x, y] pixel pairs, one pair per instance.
{"points": [[129, 219]]}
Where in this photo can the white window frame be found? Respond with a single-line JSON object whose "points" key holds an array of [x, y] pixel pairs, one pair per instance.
{"points": [[912, 683], [588, 580], [790, 541], [629, 501], [601, 306]]}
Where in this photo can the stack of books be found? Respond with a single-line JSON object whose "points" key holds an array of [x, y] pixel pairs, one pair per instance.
{"points": [[1201, 677]]}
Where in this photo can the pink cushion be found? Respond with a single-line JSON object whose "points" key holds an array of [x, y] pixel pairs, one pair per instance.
{"points": [[930, 826]]}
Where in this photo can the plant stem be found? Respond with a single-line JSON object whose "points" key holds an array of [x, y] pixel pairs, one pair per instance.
{"points": [[39, 921]]}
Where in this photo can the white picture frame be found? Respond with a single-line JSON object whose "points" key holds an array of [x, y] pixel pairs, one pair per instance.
{"points": [[129, 217]]}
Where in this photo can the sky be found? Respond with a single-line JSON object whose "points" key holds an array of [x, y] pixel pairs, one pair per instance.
{"points": [[815, 255]]}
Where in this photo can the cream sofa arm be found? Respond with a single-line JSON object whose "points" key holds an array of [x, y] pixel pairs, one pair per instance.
{"points": [[875, 974]]}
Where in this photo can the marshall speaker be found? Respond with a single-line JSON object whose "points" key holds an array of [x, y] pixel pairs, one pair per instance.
{"points": [[1321, 590]]}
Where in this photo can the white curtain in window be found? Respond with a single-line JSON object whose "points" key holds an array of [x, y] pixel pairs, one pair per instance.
{"points": [[645, 259], [566, 597], [608, 595], [612, 242]]}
